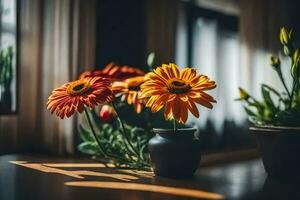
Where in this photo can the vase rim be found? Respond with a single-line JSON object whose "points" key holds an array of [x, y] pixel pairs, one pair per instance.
{"points": [[274, 128], [170, 130]]}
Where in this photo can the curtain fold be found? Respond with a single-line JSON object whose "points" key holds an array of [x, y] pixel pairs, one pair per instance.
{"points": [[161, 26], [235, 59], [259, 31], [57, 42]]}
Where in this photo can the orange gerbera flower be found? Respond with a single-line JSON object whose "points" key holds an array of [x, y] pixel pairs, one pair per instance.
{"points": [[177, 91], [114, 72], [130, 90], [70, 97]]}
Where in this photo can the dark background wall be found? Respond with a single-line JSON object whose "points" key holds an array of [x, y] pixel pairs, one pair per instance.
{"points": [[120, 33]]}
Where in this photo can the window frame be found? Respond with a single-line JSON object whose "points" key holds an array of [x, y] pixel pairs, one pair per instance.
{"points": [[228, 22], [15, 111]]}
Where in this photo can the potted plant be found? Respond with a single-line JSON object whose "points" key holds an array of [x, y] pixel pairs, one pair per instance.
{"points": [[176, 152], [108, 133], [276, 118]]}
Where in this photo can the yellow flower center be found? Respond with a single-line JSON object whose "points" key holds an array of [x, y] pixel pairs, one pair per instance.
{"points": [[178, 86], [135, 83], [78, 88]]}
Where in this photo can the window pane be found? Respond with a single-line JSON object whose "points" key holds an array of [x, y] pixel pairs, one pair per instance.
{"points": [[215, 52], [7, 56]]}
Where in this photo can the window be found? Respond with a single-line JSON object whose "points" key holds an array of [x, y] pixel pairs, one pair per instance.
{"points": [[209, 40], [8, 17]]}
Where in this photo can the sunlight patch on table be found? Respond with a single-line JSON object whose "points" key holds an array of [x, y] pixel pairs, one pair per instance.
{"points": [[148, 188], [79, 174]]}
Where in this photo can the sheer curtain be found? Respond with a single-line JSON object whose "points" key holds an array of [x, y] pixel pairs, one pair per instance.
{"points": [[233, 59], [216, 54], [56, 41], [68, 46], [259, 38]]}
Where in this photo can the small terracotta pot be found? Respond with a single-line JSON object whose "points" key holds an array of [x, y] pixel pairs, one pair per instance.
{"points": [[174, 155], [280, 151]]}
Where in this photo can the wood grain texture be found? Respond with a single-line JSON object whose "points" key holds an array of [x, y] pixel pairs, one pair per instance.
{"points": [[47, 178]]}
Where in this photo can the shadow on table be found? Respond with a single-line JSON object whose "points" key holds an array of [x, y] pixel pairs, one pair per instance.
{"points": [[97, 175], [275, 189]]}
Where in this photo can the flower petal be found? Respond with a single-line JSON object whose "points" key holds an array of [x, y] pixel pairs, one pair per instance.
{"points": [[168, 111], [193, 108]]}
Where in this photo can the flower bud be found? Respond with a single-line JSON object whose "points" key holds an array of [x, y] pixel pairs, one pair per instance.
{"points": [[285, 36], [295, 66], [275, 62], [296, 56], [243, 94], [107, 114], [286, 50], [295, 71]]}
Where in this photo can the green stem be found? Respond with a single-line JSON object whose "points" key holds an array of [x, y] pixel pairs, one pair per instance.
{"points": [[128, 144], [105, 154], [293, 92], [94, 133], [284, 85], [175, 125]]}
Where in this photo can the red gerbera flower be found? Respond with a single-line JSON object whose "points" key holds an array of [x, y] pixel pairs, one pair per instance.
{"points": [[73, 96], [114, 72]]}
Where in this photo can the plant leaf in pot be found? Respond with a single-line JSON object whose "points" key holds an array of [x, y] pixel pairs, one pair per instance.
{"points": [[276, 118], [176, 152]]}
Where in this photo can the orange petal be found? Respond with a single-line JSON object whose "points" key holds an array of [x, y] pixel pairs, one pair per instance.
{"points": [[188, 74], [162, 99], [138, 107], [151, 100], [156, 107], [208, 97], [206, 86], [175, 69], [183, 112], [176, 109], [193, 108], [130, 98], [203, 102], [161, 73], [168, 111], [149, 93], [183, 97]]}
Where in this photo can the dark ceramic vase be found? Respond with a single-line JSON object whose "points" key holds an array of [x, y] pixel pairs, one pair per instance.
{"points": [[280, 148], [175, 155]]}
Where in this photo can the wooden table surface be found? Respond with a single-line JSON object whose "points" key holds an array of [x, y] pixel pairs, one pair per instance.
{"points": [[43, 178]]}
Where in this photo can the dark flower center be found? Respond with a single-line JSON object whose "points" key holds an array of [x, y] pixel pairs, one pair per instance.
{"points": [[178, 86], [77, 88], [134, 88], [178, 83]]}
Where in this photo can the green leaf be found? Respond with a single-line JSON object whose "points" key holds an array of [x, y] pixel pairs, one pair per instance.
{"points": [[96, 119], [249, 112], [88, 148], [267, 98], [85, 135], [272, 90], [150, 60], [295, 70], [141, 150], [137, 131]]}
